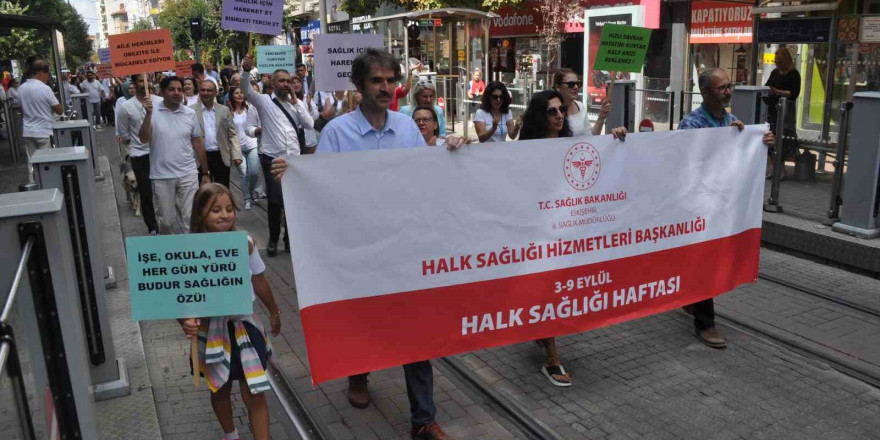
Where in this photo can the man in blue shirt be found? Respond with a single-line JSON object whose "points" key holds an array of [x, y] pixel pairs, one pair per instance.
{"points": [[716, 89], [372, 126]]}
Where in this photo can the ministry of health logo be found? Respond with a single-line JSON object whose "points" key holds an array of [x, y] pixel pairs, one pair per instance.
{"points": [[582, 166]]}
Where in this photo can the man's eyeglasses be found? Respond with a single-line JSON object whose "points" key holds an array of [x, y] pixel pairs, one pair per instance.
{"points": [[553, 111], [723, 88], [573, 84], [423, 120]]}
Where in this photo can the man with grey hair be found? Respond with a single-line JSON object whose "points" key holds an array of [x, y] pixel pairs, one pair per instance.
{"points": [[716, 89], [222, 147], [282, 135], [424, 94]]}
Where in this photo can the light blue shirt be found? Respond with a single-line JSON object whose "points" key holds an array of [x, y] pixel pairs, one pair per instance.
{"points": [[352, 132], [441, 118]]}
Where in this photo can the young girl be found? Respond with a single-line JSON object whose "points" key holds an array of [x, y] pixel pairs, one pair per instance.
{"points": [[231, 345]]}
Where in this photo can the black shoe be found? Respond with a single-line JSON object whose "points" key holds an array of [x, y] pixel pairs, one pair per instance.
{"points": [[286, 246], [272, 248]]}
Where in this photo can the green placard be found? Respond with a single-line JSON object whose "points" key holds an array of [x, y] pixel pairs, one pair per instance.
{"points": [[188, 276], [622, 48]]}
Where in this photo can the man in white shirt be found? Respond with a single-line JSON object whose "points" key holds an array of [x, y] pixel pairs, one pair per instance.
{"points": [[37, 104], [175, 141], [128, 125], [96, 93], [222, 147], [281, 119], [198, 74]]}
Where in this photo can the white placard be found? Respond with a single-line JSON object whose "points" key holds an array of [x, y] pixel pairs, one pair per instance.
{"points": [[334, 54], [870, 32]]}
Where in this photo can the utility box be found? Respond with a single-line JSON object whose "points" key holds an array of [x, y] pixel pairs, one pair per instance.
{"points": [[861, 194], [747, 104], [623, 107]]}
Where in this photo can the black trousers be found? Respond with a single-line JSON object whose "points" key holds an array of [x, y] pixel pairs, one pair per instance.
{"points": [[274, 199], [704, 314], [219, 171], [141, 167], [108, 112]]}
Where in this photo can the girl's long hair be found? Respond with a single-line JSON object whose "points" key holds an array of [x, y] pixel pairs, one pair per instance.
{"points": [[203, 201], [535, 124], [302, 90]]}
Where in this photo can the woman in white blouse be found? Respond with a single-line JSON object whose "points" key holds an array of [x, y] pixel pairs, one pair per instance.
{"points": [[249, 168], [494, 121], [568, 85]]}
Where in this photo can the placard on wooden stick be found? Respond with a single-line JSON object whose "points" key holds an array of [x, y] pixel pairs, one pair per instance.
{"points": [[138, 52]]}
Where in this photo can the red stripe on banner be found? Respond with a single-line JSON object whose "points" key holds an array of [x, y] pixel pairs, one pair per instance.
{"points": [[368, 334]]}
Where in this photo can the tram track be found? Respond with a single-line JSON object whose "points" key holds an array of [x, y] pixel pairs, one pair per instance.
{"points": [[838, 360]]}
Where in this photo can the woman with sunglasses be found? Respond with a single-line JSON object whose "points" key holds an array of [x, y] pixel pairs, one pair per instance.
{"points": [[494, 121], [545, 118], [568, 85]]}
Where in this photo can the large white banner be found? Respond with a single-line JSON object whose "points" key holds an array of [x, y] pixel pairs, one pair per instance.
{"points": [[410, 254]]}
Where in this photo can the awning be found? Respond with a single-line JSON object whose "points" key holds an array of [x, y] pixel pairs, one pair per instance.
{"points": [[438, 13], [29, 21]]}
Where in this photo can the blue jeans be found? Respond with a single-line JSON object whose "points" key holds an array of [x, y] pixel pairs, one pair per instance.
{"points": [[420, 391], [249, 171], [96, 111]]}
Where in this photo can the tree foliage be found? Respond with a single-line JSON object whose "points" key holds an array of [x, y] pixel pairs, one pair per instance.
{"points": [[21, 43], [215, 42], [555, 14], [77, 46], [367, 7], [143, 24]]}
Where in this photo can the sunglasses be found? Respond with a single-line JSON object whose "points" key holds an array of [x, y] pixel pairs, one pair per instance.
{"points": [[573, 84], [553, 111], [498, 97]]}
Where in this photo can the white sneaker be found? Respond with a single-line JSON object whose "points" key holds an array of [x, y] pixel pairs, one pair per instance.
{"points": [[247, 205]]}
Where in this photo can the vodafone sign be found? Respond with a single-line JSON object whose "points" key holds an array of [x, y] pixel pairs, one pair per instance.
{"points": [[720, 22], [524, 20]]}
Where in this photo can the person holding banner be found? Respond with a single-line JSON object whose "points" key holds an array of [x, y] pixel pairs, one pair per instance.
{"points": [[568, 85], [175, 140], [284, 122], [373, 126], [130, 118], [222, 147], [229, 346], [716, 90], [545, 118]]}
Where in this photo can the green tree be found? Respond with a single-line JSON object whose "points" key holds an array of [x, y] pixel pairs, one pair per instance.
{"points": [[78, 47], [21, 43], [143, 24]]}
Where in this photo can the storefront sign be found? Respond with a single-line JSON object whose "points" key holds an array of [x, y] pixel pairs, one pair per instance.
{"points": [[523, 20], [769, 58], [183, 69], [104, 55], [720, 22], [189, 276], [567, 238], [358, 25], [339, 27], [272, 58], [794, 30], [870, 31], [436, 22], [622, 48], [650, 11], [306, 32], [104, 71], [141, 52], [334, 54], [263, 17]]}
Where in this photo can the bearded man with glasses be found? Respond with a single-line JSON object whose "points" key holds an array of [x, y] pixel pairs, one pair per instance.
{"points": [[716, 89]]}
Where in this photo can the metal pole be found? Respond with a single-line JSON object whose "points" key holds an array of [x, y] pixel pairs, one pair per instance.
{"points": [[671, 110], [772, 204], [16, 281], [839, 160], [62, 89], [829, 85], [322, 11]]}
